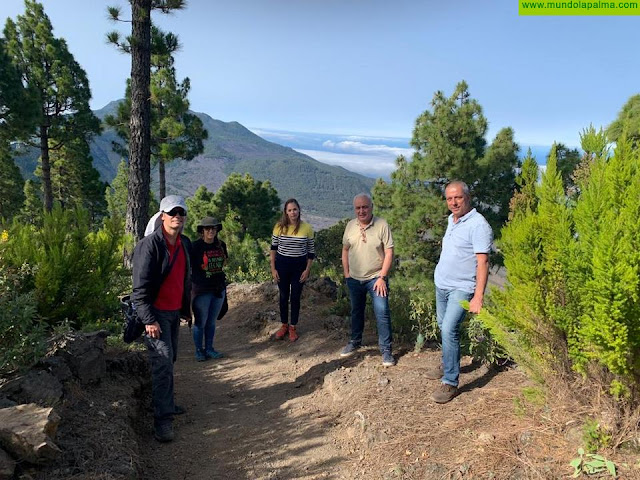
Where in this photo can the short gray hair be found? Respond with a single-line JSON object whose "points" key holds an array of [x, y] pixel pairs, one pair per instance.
{"points": [[363, 195], [461, 184]]}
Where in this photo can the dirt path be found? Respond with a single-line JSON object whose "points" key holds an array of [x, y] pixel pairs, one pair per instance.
{"points": [[277, 410], [246, 416]]}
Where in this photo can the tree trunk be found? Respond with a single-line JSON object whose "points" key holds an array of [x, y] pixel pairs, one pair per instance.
{"points": [[46, 168], [162, 179], [140, 126]]}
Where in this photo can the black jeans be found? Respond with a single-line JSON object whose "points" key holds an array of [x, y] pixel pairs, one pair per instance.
{"points": [[289, 270], [163, 352]]}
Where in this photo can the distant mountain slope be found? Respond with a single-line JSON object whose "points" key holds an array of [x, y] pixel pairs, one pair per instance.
{"points": [[321, 189]]}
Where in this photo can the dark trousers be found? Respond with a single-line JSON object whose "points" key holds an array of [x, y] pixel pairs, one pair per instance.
{"points": [[289, 270], [163, 352]]}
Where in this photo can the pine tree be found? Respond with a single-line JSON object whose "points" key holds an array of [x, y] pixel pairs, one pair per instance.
{"points": [[256, 203], [57, 82], [11, 185], [450, 145], [175, 133], [139, 46]]}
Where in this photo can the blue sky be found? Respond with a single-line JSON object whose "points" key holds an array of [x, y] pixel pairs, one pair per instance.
{"points": [[368, 68]]}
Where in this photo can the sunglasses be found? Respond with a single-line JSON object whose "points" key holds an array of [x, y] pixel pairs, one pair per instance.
{"points": [[209, 228], [177, 211]]}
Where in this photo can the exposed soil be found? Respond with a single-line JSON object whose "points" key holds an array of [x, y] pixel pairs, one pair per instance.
{"points": [[280, 410]]}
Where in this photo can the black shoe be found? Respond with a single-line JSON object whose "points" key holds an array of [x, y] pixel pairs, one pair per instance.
{"points": [[179, 410], [163, 432]]}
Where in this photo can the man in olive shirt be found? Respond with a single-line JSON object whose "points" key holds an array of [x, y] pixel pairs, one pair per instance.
{"points": [[367, 254]]}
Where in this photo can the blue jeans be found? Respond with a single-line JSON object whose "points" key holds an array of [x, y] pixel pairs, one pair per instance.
{"points": [[358, 290], [163, 352], [206, 308], [450, 314]]}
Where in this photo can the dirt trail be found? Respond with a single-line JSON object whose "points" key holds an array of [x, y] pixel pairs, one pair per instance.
{"points": [[245, 412], [281, 410]]}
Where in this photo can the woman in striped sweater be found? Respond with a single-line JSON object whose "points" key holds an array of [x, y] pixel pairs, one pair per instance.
{"points": [[292, 253]]}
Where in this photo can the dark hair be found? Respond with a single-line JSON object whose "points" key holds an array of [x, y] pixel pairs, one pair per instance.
{"points": [[216, 240], [284, 222]]}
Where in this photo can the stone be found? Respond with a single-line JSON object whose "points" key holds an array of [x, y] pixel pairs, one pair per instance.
{"points": [[326, 287], [7, 466], [57, 367], [37, 386], [84, 353], [27, 432]]}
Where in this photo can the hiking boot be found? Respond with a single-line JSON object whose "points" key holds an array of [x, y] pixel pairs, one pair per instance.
{"points": [[434, 373], [349, 349], [293, 336], [163, 432], [387, 359], [200, 357], [179, 410], [444, 393], [284, 329], [214, 354]]}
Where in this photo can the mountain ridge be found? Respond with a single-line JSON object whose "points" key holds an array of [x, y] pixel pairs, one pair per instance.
{"points": [[322, 189]]}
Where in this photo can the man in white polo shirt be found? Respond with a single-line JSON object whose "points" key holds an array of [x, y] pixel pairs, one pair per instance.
{"points": [[461, 274]]}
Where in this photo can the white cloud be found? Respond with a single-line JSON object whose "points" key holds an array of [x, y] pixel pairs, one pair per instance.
{"points": [[359, 148], [371, 166], [272, 134]]}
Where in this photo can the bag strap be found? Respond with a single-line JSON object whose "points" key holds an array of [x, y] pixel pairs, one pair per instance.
{"points": [[173, 260]]}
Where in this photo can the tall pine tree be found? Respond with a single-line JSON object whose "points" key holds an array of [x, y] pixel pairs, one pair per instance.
{"points": [[450, 145], [139, 46], [57, 83]]}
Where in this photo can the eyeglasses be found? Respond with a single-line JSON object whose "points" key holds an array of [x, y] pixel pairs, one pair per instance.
{"points": [[177, 211], [209, 228]]}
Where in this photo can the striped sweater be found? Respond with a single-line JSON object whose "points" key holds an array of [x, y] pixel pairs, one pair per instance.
{"points": [[288, 244]]}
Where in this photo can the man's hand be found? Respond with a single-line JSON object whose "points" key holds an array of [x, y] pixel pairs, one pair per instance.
{"points": [[380, 287], [475, 304], [153, 330]]}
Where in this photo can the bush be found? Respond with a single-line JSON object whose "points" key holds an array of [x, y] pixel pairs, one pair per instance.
{"points": [[22, 334], [573, 294], [75, 274]]}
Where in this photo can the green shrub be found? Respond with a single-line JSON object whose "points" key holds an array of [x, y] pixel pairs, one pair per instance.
{"points": [[75, 273], [572, 298], [22, 334]]}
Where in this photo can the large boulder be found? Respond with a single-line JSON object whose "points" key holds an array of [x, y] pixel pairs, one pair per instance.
{"points": [[84, 353], [27, 432], [37, 386]]}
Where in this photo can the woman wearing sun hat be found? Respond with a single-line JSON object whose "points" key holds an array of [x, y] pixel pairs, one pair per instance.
{"points": [[208, 257]]}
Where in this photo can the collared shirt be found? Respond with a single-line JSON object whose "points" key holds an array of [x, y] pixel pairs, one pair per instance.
{"points": [[456, 269], [366, 257]]}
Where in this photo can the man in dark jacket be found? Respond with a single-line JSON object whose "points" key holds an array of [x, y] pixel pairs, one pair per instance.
{"points": [[162, 294]]}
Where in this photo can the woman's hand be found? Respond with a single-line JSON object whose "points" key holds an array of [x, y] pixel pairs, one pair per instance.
{"points": [[305, 276], [274, 274]]}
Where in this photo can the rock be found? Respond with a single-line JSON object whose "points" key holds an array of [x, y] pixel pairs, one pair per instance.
{"points": [[485, 437], [325, 286], [27, 431], [7, 466], [383, 381], [37, 386], [57, 367], [84, 353]]}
